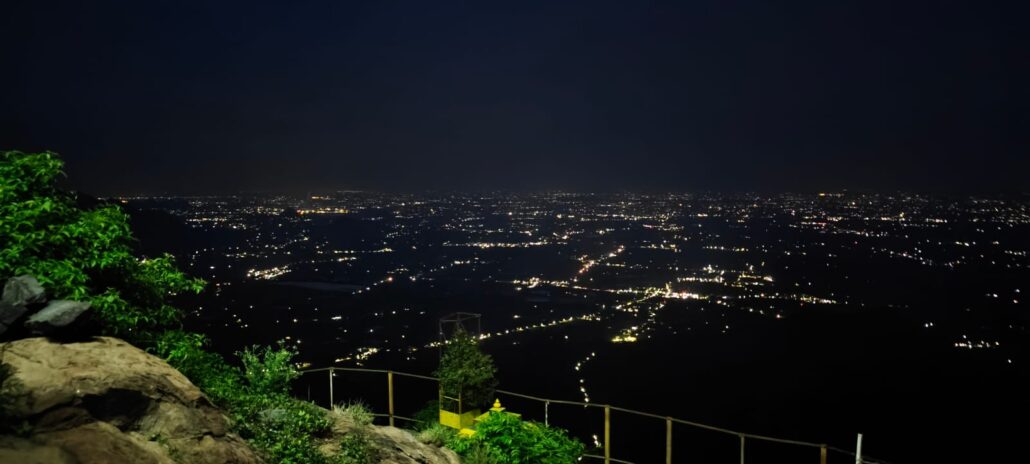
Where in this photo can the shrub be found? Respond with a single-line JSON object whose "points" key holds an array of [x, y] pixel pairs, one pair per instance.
{"points": [[428, 416], [436, 435], [82, 254], [209, 371], [267, 369], [355, 448], [479, 454], [355, 412], [467, 372], [281, 427], [510, 440], [85, 254]]}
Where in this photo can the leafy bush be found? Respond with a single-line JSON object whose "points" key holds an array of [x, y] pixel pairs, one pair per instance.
{"points": [[281, 427], [264, 412], [436, 435], [269, 370], [82, 254], [510, 440], [209, 371], [467, 372], [85, 254], [355, 412], [355, 448], [428, 416], [479, 454]]}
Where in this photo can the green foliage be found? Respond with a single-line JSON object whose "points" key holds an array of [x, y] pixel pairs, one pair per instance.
{"points": [[82, 254], [263, 411], [428, 416], [467, 372], [436, 435], [86, 255], [162, 441], [269, 370], [209, 371], [479, 454], [510, 440], [355, 448], [281, 427], [355, 412]]}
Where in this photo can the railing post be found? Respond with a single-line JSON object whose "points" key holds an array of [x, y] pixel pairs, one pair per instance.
{"points": [[822, 454], [547, 408], [668, 440], [858, 450], [389, 388], [331, 402], [607, 434], [742, 448]]}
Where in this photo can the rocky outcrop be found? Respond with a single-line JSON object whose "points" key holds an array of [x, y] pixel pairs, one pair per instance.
{"points": [[24, 294], [105, 401], [18, 294], [56, 314], [391, 445]]}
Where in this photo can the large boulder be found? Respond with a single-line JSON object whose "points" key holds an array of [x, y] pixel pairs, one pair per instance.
{"points": [[105, 401], [390, 445], [23, 290], [397, 446]]}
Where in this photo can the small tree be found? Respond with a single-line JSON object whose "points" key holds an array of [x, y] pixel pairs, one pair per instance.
{"points": [[269, 370], [466, 372], [82, 254]]}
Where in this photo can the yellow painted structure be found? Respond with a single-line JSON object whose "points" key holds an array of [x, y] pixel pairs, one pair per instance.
{"points": [[458, 421], [496, 408], [470, 429]]}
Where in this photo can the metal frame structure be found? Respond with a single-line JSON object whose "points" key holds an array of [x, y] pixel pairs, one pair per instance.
{"points": [[457, 320], [823, 448]]}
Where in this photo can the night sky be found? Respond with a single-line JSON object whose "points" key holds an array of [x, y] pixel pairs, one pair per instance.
{"points": [[204, 97]]}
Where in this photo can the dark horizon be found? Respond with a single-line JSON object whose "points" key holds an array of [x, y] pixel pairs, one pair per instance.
{"points": [[536, 192], [172, 98]]}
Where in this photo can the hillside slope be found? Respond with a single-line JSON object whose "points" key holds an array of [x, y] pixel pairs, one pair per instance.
{"points": [[106, 401]]}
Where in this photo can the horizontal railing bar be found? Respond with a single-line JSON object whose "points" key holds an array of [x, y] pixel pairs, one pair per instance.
{"points": [[395, 417], [594, 456], [424, 377], [530, 397], [783, 440]]}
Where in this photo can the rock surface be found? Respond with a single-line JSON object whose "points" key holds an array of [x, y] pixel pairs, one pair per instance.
{"points": [[105, 401], [56, 314], [19, 292], [23, 290], [391, 445], [397, 446]]}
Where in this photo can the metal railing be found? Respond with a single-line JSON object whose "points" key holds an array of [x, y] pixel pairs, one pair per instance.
{"points": [[823, 448]]}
